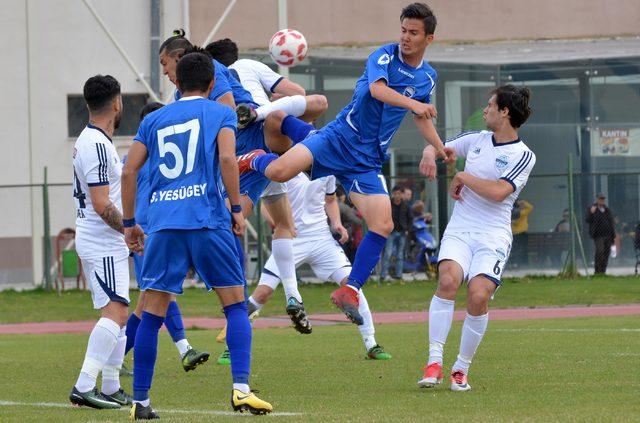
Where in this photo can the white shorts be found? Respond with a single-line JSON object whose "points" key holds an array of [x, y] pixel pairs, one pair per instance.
{"points": [[477, 253], [274, 188], [323, 253], [108, 279]]}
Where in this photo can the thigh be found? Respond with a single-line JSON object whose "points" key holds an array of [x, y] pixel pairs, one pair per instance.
{"points": [[280, 211], [375, 209], [490, 256], [326, 258], [166, 261], [215, 258], [455, 247], [275, 140], [108, 278]]}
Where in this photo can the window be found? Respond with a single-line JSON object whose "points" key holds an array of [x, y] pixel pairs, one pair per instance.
{"points": [[78, 115]]}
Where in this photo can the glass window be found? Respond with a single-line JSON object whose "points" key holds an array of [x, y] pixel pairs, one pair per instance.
{"points": [[78, 115]]}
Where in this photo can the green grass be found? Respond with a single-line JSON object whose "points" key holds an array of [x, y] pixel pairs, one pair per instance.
{"points": [[40, 306], [551, 370]]}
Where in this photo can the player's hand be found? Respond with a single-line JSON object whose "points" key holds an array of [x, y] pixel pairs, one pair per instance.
{"points": [[456, 186], [134, 237], [342, 231], [447, 154], [424, 110], [428, 163], [239, 223]]}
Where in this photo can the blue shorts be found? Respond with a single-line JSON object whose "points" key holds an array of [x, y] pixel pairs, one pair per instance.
{"points": [[332, 156], [169, 253]]}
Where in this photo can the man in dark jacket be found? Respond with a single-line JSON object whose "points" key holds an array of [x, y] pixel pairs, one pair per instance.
{"points": [[603, 231], [402, 222]]}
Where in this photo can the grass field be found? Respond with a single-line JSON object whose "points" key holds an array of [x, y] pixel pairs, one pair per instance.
{"points": [[553, 370], [40, 306]]}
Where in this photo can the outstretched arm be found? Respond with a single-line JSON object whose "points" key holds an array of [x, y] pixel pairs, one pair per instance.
{"points": [[333, 212]]}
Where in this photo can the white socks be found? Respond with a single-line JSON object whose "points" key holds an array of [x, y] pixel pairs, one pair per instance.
{"points": [[294, 105], [366, 329], [472, 332], [440, 318], [282, 252], [102, 342], [111, 369], [242, 387], [256, 304], [183, 346]]}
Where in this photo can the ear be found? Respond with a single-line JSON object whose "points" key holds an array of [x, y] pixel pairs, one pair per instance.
{"points": [[430, 38]]}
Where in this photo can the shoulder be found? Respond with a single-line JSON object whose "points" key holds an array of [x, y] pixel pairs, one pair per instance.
{"points": [[471, 135], [428, 69], [385, 53]]}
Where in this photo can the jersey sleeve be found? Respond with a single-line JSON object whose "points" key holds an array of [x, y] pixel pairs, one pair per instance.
{"points": [[330, 185], [141, 135], [230, 119], [95, 164], [518, 173], [461, 143], [378, 65], [221, 84], [434, 80], [267, 76]]}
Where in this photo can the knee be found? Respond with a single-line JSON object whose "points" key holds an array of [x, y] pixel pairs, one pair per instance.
{"points": [[274, 119], [478, 301], [317, 102], [447, 286], [385, 227]]}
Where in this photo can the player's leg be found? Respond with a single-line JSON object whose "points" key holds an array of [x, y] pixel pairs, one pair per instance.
{"points": [[134, 318], [158, 246], [307, 108], [189, 356], [106, 335], [282, 131], [376, 211], [216, 260]]}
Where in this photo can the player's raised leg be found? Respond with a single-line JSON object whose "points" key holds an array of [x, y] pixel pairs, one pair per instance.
{"points": [[450, 276], [481, 290]]}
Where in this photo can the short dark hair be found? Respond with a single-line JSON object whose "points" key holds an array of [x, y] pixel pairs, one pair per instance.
{"points": [[397, 188], [424, 13], [150, 107], [99, 91], [516, 99], [224, 51], [176, 44], [194, 72]]}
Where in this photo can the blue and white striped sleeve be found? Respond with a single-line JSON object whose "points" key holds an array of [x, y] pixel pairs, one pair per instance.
{"points": [[96, 165], [517, 174], [462, 142]]}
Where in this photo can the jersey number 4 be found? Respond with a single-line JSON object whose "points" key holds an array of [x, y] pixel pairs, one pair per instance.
{"points": [[166, 147]]}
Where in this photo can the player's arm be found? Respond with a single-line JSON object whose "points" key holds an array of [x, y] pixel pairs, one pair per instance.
{"points": [[136, 157], [105, 208], [380, 91], [227, 100], [494, 190], [230, 176], [333, 212], [287, 87]]}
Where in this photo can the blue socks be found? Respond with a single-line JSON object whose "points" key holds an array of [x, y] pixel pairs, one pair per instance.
{"points": [[367, 256], [145, 353], [238, 341], [260, 163], [132, 328], [173, 322], [295, 129]]}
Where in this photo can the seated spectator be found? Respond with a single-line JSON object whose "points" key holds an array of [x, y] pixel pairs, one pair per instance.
{"points": [[402, 223]]}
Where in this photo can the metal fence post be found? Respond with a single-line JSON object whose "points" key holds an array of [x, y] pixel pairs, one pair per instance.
{"points": [[47, 233], [569, 269]]}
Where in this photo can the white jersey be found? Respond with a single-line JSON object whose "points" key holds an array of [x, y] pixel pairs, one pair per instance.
{"points": [[307, 200], [512, 161], [95, 163], [256, 77]]}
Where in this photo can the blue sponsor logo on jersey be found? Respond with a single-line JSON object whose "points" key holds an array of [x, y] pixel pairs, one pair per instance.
{"points": [[502, 162], [409, 92], [502, 254]]}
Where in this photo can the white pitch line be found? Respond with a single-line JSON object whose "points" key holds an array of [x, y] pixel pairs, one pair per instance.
{"points": [[567, 330], [160, 410]]}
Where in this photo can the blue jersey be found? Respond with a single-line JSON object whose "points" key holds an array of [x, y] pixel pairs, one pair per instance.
{"points": [[184, 174], [374, 122], [225, 82]]}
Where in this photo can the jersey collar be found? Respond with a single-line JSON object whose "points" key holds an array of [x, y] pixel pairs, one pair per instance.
{"points": [[496, 144], [191, 97], [405, 63], [99, 129]]}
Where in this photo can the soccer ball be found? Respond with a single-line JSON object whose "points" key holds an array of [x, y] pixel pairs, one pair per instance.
{"points": [[288, 47]]}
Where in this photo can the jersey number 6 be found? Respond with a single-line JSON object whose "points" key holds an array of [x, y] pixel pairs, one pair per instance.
{"points": [[193, 127]]}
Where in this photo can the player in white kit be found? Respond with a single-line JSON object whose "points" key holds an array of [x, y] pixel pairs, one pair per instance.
{"points": [[477, 241], [100, 244], [312, 202]]}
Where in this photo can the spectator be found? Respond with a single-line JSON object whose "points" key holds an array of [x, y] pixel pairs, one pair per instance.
{"points": [[520, 228], [402, 223], [602, 229], [564, 225], [407, 195]]}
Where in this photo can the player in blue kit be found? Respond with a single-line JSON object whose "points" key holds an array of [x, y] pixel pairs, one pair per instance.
{"points": [[354, 146], [190, 146], [189, 357]]}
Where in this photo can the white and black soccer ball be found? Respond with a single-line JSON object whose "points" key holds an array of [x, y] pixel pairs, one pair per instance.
{"points": [[288, 47]]}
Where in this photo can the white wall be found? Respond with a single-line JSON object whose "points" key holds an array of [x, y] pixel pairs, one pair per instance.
{"points": [[49, 50]]}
